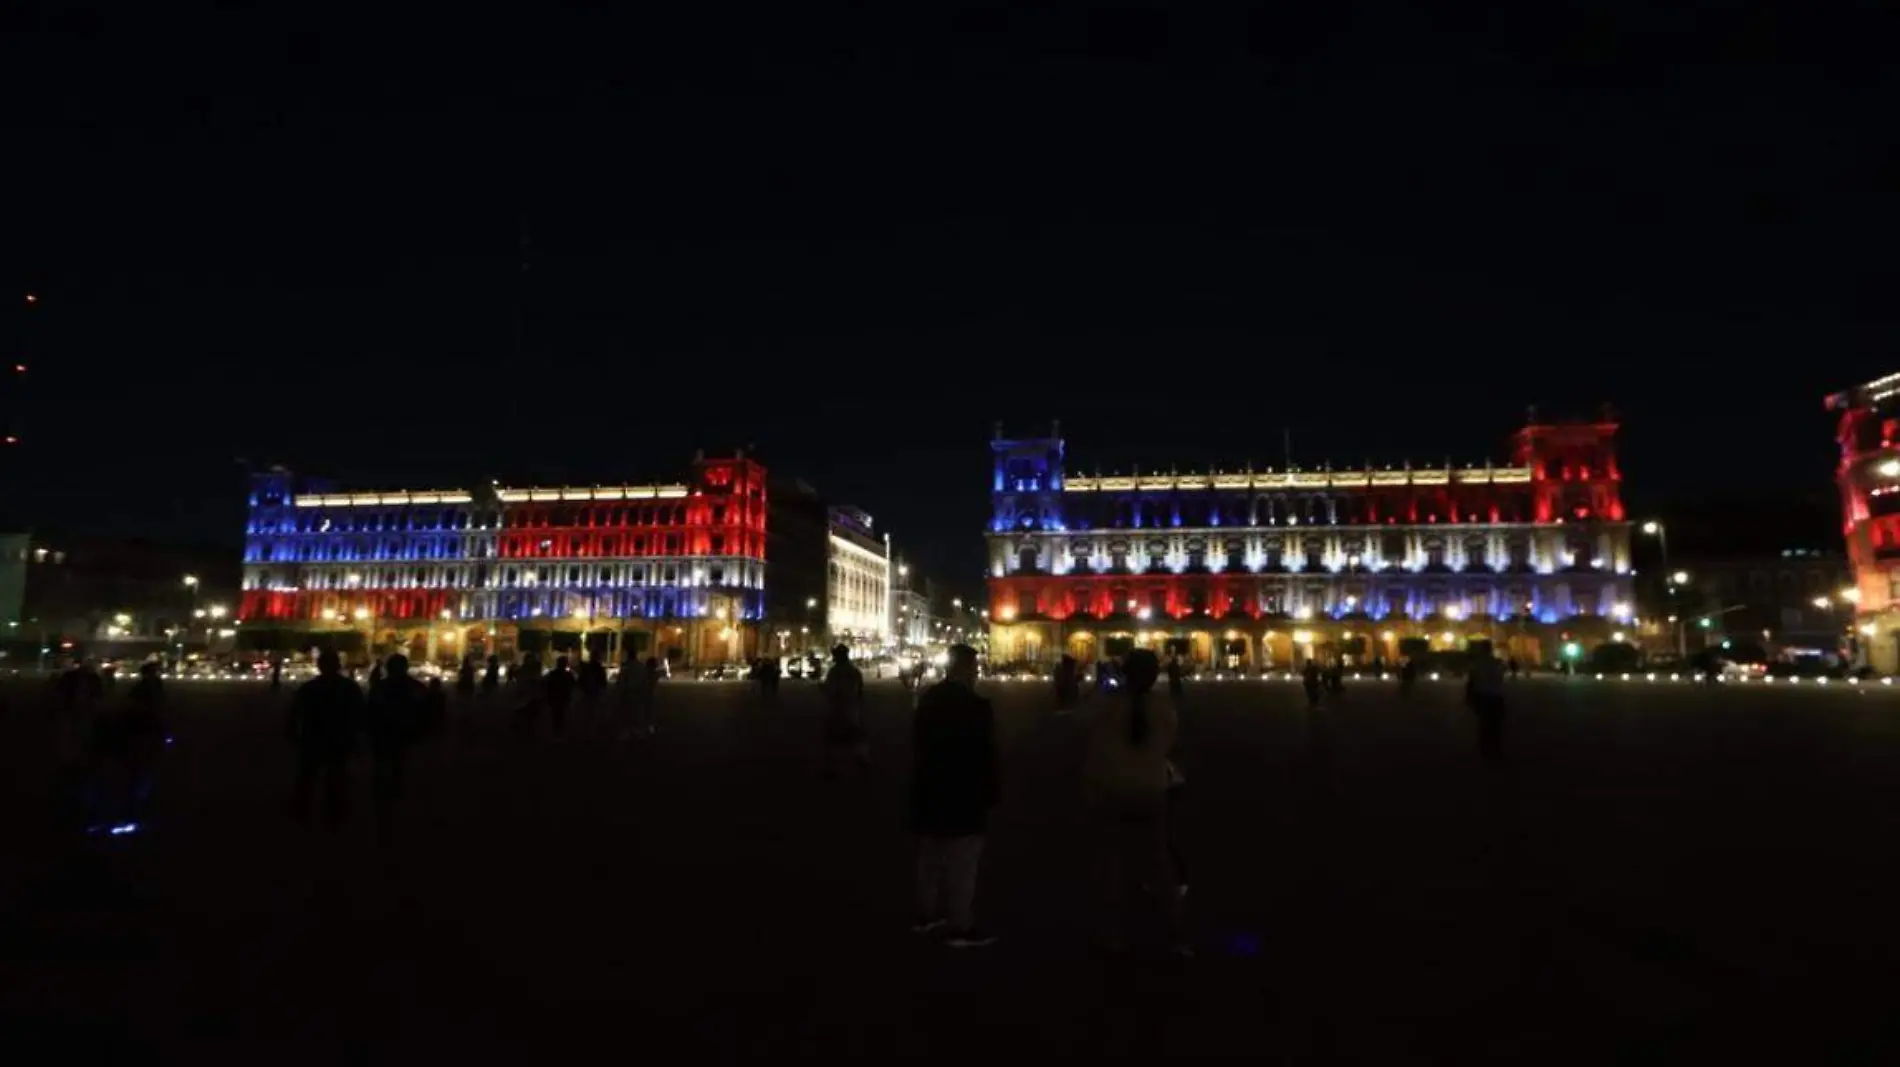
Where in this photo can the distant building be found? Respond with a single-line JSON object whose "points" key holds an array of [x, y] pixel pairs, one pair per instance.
{"points": [[1869, 482], [676, 569], [114, 597], [1260, 568], [1760, 572], [858, 586]]}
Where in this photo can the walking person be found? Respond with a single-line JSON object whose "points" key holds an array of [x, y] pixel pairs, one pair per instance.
{"points": [[1125, 783], [559, 688], [325, 714], [1310, 678], [953, 786], [628, 682], [844, 715], [1484, 693], [1068, 683], [591, 681], [126, 745], [1175, 689], [650, 696], [398, 715]]}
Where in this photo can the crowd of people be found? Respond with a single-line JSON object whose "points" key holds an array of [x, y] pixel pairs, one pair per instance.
{"points": [[1131, 785]]}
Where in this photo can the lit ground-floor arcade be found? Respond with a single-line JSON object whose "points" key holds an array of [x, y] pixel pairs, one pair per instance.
{"points": [[683, 642], [1288, 644]]}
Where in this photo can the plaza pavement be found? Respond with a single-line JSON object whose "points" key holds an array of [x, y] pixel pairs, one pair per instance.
{"points": [[1664, 874]]}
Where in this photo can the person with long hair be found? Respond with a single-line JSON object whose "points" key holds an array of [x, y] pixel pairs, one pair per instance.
{"points": [[1125, 780]]}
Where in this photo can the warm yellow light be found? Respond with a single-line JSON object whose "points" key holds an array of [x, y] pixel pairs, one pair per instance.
{"points": [[330, 614], [1144, 613], [1387, 636], [1448, 637], [191, 579], [719, 613], [1302, 637], [1454, 612], [1617, 637], [122, 619], [218, 611], [1652, 526], [1869, 629], [449, 636], [361, 613], [447, 614], [1006, 613], [1680, 577], [198, 614], [1303, 613], [1821, 602], [580, 613], [1851, 595], [1890, 468], [1233, 635]]}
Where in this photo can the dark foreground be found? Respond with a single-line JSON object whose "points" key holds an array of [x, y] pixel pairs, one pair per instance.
{"points": [[1662, 874]]}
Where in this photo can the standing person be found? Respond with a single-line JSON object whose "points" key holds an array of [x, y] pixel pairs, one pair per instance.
{"points": [[276, 673], [844, 716], [399, 712], [559, 688], [80, 689], [1408, 674], [1125, 784], [1336, 678], [1174, 678], [1310, 678], [325, 714], [650, 695], [629, 685], [953, 786], [1484, 693], [592, 682], [126, 744], [465, 679], [491, 678], [1067, 688]]}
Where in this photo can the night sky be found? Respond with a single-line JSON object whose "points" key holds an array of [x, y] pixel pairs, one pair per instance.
{"points": [[855, 238]]}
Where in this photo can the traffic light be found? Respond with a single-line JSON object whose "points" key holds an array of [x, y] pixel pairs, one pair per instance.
{"points": [[1703, 622], [1572, 650]]}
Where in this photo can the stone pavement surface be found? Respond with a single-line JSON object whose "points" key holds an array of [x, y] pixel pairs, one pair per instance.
{"points": [[1664, 873]]}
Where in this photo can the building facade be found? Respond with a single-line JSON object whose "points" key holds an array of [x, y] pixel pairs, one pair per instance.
{"points": [[1868, 477], [858, 580], [1261, 569], [674, 569]]}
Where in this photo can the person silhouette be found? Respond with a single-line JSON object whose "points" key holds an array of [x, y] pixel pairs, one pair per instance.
{"points": [[326, 713], [559, 688], [398, 715]]}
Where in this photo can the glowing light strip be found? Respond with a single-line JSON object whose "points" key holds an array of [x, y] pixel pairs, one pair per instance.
{"points": [[1298, 480], [364, 500]]}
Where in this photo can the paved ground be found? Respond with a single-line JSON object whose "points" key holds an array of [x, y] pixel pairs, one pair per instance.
{"points": [[1664, 874]]}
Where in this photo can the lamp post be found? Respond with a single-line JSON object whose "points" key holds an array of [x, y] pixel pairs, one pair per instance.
{"points": [[1671, 579]]}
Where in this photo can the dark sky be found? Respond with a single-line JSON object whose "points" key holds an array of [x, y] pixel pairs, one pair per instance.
{"points": [[855, 235]]}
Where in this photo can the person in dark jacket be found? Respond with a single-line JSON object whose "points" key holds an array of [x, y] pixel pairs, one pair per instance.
{"points": [[953, 786], [126, 744], [591, 680], [559, 687], [325, 714], [399, 713]]}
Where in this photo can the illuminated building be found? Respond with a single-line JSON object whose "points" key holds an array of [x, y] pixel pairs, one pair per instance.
{"points": [[858, 580], [1869, 482], [677, 569], [1262, 568]]}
